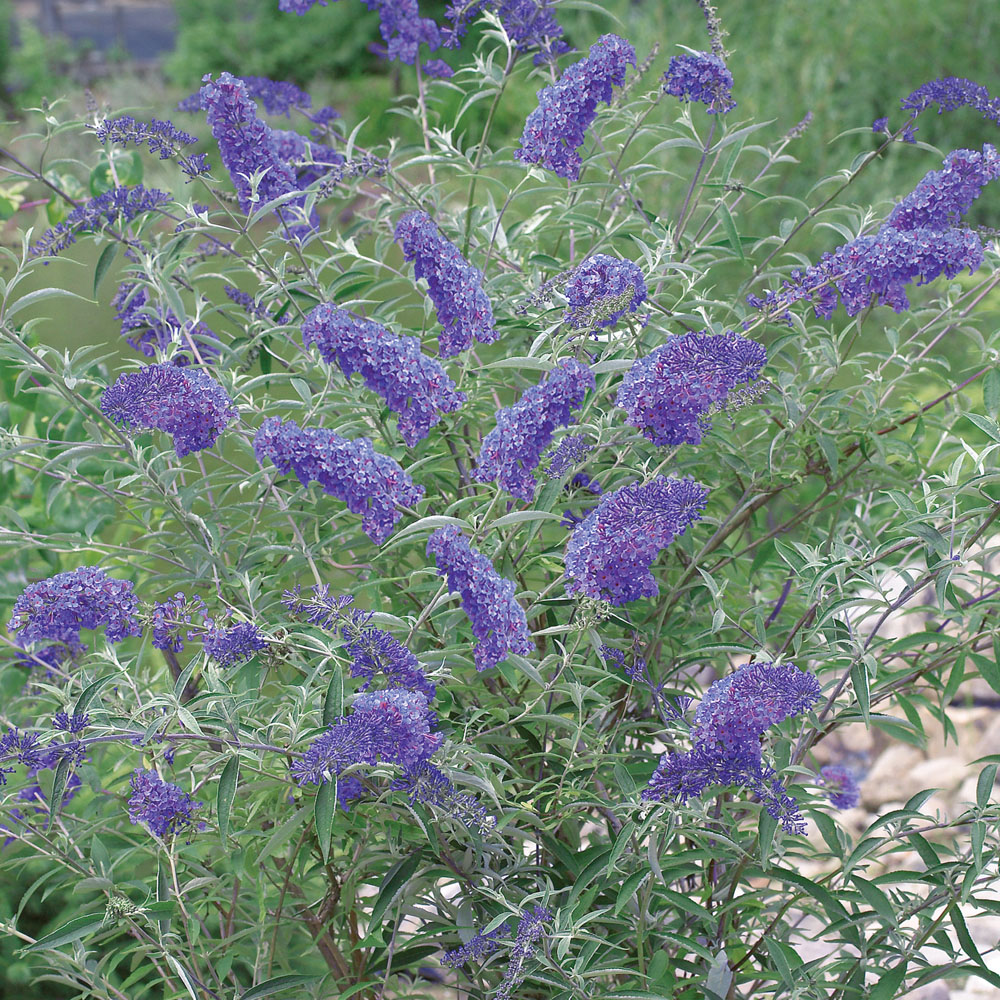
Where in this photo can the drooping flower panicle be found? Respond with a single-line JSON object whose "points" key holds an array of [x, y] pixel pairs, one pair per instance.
{"points": [[57, 608], [669, 394], [530, 24], [734, 714], [513, 449], [183, 402], [164, 808], [609, 555], [454, 285], [556, 129], [601, 290], [919, 241], [118, 205], [414, 386], [161, 137], [232, 645], [170, 618], [371, 484], [701, 77], [498, 621]]}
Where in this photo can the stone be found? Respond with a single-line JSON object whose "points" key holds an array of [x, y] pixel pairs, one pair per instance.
{"points": [[885, 780]]}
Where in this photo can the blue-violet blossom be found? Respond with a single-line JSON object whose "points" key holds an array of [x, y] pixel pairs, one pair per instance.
{"points": [[371, 484], [702, 77], [164, 808], [513, 449], [669, 394], [414, 386], [601, 290], [555, 130], [609, 555], [183, 402], [454, 285], [150, 328], [498, 621]]}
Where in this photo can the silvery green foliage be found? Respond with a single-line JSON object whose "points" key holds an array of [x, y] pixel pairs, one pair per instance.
{"points": [[258, 656]]}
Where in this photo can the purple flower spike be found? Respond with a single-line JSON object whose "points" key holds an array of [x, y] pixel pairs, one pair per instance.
{"points": [[454, 285], [163, 807], [841, 785], [233, 645], [513, 449], [156, 328], [609, 555], [919, 241], [57, 608], [162, 137], [249, 146], [728, 725], [170, 617], [601, 290], [118, 205], [669, 393], [556, 129], [414, 386], [477, 948], [182, 402], [369, 483], [701, 77], [393, 726], [498, 621]]}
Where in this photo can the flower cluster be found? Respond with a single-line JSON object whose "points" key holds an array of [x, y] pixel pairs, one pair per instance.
{"points": [[702, 77], [403, 29], [248, 147], [182, 402], [841, 784], [609, 555], [951, 93], [233, 645], [169, 618], [601, 290], [371, 484], [392, 726], [669, 394], [478, 947], [162, 137], [455, 286], [430, 786], [117, 205], [309, 160], [530, 930], [555, 130], [530, 24], [498, 621], [57, 608], [67, 723], [569, 451], [513, 449], [151, 329], [918, 242], [163, 807], [247, 301], [728, 725], [414, 386]]}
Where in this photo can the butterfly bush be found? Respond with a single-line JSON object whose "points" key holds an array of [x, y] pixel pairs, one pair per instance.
{"points": [[512, 450], [610, 432]]}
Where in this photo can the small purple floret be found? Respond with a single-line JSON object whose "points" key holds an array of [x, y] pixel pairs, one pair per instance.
{"points": [[841, 785], [601, 290], [163, 807], [701, 77]]}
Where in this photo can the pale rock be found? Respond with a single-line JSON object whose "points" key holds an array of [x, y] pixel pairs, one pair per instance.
{"points": [[884, 781]]}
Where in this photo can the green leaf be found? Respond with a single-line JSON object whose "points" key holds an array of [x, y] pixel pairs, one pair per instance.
{"points": [[72, 930], [226, 795], [39, 296], [859, 678], [989, 669], [104, 263], [59, 782], [324, 810], [887, 988], [729, 224], [392, 885], [89, 693], [281, 834], [276, 985], [630, 887], [333, 704], [520, 516], [991, 392]]}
